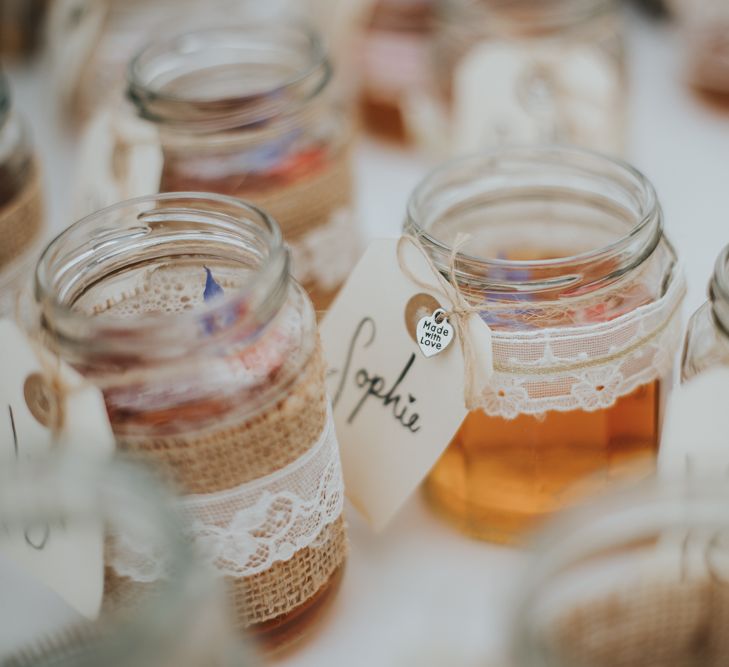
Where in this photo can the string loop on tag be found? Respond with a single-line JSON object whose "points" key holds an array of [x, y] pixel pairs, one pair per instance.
{"points": [[459, 313], [52, 394]]}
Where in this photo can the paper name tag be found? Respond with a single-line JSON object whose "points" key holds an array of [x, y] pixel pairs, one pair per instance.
{"points": [[395, 409], [67, 558], [695, 440]]}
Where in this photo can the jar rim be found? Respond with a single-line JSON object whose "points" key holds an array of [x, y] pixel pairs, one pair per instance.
{"points": [[258, 300], [649, 222], [254, 43]]}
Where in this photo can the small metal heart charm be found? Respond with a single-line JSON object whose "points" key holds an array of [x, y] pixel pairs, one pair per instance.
{"points": [[434, 333]]}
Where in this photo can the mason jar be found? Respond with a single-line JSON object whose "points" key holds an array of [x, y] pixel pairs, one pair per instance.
{"points": [[567, 260], [394, 57], [638, 579], [704, 32], [180, 307], [532, 72], [59, 509], [22, 221], [92, 41], [707, 341], [246, 111]]}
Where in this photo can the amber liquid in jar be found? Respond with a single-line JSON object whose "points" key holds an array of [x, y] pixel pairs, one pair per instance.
{"points": [[499, 477], [394, 58], [172, 290], [710, 69]]}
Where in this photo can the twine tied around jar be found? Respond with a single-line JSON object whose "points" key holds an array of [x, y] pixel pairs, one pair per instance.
{"points": [[459, 313]]}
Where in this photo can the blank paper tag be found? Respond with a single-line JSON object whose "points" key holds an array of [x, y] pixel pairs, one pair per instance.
{"points": [[395, 410], [74, 26], [523, 92], [695, 440], [120, 158], [67, 558]]}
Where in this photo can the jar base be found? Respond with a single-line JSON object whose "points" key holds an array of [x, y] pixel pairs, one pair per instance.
{"points": [[488, 525], [282, 634]]}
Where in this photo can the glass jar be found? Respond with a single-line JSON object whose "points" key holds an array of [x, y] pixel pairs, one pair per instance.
{"points": [[394, 62], [244, 111], [707, 341], [180, 307], [22, 222], [92, 41], [639, 579], [529, 72], [705, 36], [58, 507], [567, 258]]}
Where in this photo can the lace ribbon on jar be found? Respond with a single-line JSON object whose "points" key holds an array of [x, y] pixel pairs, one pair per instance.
{"points": [[587, 367], [243, 531]]}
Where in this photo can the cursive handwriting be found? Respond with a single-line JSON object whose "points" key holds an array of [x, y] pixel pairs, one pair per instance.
{"points": [[374, 385], [36, 537]]}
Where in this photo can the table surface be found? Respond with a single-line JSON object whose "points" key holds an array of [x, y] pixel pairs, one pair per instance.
{"points": [[419, 593]]}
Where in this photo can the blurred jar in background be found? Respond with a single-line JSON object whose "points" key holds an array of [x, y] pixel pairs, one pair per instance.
{"points": [[243, 111], [105, 515], [707, 338], [567, 258], [207, 353], [21, 22], [638, 579], [395, 61], [705, 33], [532, 71], [92, 41], [22, 220]]}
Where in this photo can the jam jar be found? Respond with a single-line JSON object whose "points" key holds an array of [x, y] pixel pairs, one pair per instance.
{"points": [[245, 111], [567, 260], [532, 72], [704, 28], [181, 308], [707, 340], [394, 65], [22, 221], [66, 507], [92, 41], [638, 578]]}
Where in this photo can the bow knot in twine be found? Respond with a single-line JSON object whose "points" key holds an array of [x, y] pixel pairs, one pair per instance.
{"points": [[466, 319]]}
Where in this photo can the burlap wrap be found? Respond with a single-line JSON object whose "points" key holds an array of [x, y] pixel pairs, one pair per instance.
{"points": [[306, 205], [671, 624], [21, 220], [216, 459]]}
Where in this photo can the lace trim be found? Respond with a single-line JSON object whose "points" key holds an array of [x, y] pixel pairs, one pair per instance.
{"points": [[326, 254], [587, 367], [243, 531]]}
